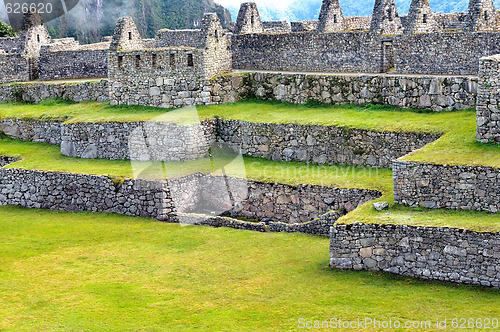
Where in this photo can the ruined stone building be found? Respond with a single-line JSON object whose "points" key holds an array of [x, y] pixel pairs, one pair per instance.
{"points": [[422, 42]]}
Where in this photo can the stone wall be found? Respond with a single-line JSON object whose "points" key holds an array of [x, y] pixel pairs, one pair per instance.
{"points": [[178, 38], [37, 92], [274, 202], [283, 142], [319, 144], [277, 27], [170, 77], [357, 22], [144, 141], [446, 187], [303, 26], [12, 44], [437, 93], [318, 226], [74, 192], [33, 131], [430, 253], [73, 64], [14, 68], [309, 52], [443, 53], [180, 199], [488, 113]]}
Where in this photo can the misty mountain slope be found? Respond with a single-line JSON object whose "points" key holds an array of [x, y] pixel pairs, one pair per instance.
{"points": [[90, 20]]}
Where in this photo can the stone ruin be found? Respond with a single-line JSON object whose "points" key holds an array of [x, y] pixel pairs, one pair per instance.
{"points": [[175, 72], [178, 66]]}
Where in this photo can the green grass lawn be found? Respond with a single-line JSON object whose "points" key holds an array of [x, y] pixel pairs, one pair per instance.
{"points": [[458, 145], [96, 272]]}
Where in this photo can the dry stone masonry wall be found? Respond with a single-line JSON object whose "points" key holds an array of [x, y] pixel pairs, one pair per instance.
{"points": [[140, 141], [430, 253], [319, 144], [169, 200], [437, 93], [37, 92], [333, 52], [443, 53], [14, 68], [488, 101], [447, 187], [73, 64]]}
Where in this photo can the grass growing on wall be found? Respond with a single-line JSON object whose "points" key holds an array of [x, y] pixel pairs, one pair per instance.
{"points": [[100, 272]]}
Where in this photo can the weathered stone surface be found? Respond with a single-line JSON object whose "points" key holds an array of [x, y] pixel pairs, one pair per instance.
{"points": [[430, 253], [380, 206], [446, 187], [406, 91], [488, 113], [319, 144]]}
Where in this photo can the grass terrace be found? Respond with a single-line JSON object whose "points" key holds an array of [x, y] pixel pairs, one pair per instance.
{"points": [[457, 146], [46, 157], [103, 272]]}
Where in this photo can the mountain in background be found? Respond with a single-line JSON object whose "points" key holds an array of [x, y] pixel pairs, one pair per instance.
{"points": [[297, 10], [91, 20]]}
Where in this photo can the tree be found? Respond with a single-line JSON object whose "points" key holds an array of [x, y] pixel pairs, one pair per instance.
{"points": [[6, 30]]}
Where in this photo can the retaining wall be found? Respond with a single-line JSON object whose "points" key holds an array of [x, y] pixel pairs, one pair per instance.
{"points": [[178, 199], [430, 253], [446, 187], [319, 144], [437, 93], [167, 141], [144, 141], [37, 92]]}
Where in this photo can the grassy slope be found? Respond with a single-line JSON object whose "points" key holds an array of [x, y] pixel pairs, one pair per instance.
{"points": [[458, 145], [96, 272], [46, 157]]}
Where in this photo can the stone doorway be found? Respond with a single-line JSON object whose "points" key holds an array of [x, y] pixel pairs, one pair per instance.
{"points": [[387, 56]]}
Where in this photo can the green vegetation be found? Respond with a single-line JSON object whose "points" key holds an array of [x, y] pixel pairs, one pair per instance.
{"points": [[46, 157], [89, 21], [370, 117], [402, 215], [97, 272], [6, 30], [457, 146]]}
